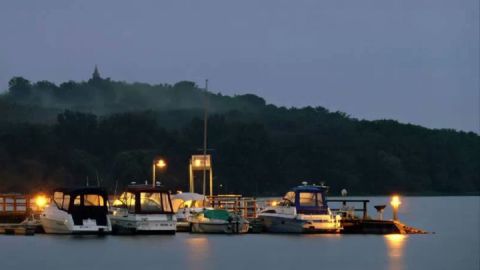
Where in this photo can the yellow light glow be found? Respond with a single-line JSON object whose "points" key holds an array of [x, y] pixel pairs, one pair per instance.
{"points": [[395, 245], [117, 202], [161, 163], [395, 202], [41, 201], [395, 238], [198, 163], [274, 203]]}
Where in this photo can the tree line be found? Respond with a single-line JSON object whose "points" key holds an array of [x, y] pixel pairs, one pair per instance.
{"points": [[108, 132]]}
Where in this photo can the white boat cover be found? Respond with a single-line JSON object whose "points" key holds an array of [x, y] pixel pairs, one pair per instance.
{"points": [[189, 196]]}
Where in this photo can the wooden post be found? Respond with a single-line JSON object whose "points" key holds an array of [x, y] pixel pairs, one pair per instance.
{"points": [[14, 204], [364, 209], [190, 175]]}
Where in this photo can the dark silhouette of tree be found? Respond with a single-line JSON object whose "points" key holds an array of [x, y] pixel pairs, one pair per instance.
{"points": [[19, 88], [109, 130]]}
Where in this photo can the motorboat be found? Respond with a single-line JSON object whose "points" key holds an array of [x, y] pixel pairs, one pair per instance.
{"points": [[303, 209], [218, 221], [77, 211], [186, 205], [143, 209]]}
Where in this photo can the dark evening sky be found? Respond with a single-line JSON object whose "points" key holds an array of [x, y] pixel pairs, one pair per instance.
{"points": [[414, 61]]}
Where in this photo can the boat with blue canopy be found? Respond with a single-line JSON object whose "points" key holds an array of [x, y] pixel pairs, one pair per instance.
{"points": [[303, 209]]}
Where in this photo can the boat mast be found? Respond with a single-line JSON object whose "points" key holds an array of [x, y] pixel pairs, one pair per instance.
{"points": [[205, 120]]}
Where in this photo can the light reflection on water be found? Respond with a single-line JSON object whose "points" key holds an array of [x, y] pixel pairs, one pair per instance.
{"points": [[395, 245], [197, 252], [270, 251]]}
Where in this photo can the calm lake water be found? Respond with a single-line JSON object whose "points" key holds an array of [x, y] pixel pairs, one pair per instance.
{"points": [[455, 245]]}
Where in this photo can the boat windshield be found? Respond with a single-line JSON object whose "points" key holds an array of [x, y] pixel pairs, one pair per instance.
{"points": [[155, 202], [289, 198], [93, 200], [150, 202], [61, 200], [126, 200], [89, 200], [310, 199]]}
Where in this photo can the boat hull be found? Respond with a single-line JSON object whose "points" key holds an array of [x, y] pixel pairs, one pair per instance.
{"points": [[219, 227], [60, 222], [183, 226], [277, 224], [154, 224]]}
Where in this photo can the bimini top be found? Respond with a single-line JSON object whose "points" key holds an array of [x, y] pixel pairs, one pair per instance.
{"points": [[310, 188], [308, 199], [83, 190], [83, 203]]}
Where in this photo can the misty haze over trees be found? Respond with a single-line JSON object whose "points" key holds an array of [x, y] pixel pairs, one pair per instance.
{"points": [[107, 131]]}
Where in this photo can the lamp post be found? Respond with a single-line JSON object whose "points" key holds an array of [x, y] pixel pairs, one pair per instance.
{"points": [[161, 164], [395, 203]]}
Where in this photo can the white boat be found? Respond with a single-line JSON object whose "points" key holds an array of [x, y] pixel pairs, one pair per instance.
{"points": [[186, 205], [218, 221], [304, 209], [143, 209], [77, 211]]}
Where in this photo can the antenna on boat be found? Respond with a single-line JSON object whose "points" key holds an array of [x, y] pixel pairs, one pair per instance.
{"points": [[98, 180], [205, 121], [115, 190], [87, 181]]}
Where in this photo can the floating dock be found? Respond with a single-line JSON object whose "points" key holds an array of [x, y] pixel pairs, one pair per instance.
{"points": [[351, 222]]}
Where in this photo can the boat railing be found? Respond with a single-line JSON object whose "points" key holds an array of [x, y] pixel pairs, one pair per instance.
{"points": [[15, 207], [349, 207], [243, 206]]}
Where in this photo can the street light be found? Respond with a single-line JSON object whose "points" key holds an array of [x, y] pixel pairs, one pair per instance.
{"points": [[395, 203], [161, 164]]}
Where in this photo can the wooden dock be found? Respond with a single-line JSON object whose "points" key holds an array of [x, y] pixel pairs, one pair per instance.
{"points": [[375, 226], [365, 225], [16, 215], [17, 229]]}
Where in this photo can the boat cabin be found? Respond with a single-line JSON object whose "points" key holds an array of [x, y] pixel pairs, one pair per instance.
{"points": [[307, 199], [83, 203], [143, 199]]}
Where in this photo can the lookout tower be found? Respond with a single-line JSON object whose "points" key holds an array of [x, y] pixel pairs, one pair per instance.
{"points": [[200, 163]]}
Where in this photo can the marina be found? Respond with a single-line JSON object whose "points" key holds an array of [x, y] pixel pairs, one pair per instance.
{"points": [[148, 209]]}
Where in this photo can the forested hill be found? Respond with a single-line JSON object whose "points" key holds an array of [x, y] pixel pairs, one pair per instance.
{"points": [[108, 131]]}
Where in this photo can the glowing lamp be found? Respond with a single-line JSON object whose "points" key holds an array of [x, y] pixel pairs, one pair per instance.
{"points": [[395, 203], [161, 164], [41, 201]]}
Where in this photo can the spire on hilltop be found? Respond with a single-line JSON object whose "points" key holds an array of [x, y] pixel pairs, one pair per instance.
{"points": [[96, 74]]}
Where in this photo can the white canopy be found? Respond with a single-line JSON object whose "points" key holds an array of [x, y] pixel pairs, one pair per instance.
{"points": [[193, 199], [189, 196]]}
